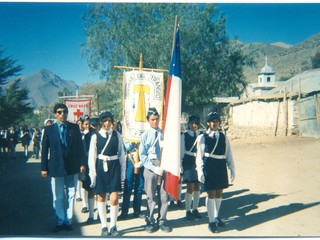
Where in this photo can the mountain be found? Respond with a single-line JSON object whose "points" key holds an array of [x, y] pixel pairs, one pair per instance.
{"points": [[44, 87], [285, 60]]}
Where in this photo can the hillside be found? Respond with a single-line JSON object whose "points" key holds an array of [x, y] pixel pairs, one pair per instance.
{"points": [[44, 87], [286, 61]]}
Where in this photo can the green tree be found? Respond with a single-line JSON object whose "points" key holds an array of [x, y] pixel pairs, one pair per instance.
{"points": [[8, 68], [116, 34], [14, 105], [315, 60]]}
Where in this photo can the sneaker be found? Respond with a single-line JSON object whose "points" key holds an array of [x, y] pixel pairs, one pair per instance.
{"points": [[89, 220], [151, 227], [122, 217], [84, 210], [180, 205], [104, 232], [220, 223], [196, 214], [114, 232], [189, 216], [213, 227], [165, 228]]}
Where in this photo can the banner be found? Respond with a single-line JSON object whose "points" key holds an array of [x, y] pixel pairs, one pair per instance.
{"points": [[142, 90], [78, 108]]}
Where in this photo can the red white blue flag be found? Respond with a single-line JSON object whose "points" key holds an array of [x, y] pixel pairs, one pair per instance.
{"points": [[170, 159]]}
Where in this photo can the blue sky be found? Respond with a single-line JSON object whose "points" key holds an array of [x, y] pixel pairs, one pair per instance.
{"points": [[49, 35]]}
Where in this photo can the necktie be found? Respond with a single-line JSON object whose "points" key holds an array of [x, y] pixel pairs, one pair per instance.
{"points": [[63, 134]]}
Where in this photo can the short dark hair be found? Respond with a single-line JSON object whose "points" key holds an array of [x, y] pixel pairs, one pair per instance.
{"points": [[152, 111], [59, 105]]}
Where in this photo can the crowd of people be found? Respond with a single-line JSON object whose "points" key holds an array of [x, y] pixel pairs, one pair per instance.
{"points": [[90, 161]]}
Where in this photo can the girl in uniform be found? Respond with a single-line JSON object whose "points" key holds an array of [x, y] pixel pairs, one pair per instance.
{"points": [[188, 163], [213, 157], [106, 170]]}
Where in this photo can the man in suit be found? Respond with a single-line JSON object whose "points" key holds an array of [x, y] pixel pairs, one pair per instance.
{"points": [[63, 141]]}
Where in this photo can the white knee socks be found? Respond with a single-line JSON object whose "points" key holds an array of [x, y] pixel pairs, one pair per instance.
{"points": [[188, 198], [114, 210], [102, 213], [196, 197], [211, 208]]}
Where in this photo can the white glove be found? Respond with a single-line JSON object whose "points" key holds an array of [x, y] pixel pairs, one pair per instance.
{"points": [[93, 182], [158, 171], [200, 176], [232, 174], [138, 165]]}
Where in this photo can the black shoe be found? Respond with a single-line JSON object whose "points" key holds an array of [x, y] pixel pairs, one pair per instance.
{"points": [[165, 228], [196, 214], [213, 227], [180, 205], [57, 228], [122, 217], [189, 216], [84, 210], [220, 223], [151, 227], [68, 227], [171, 204], [89, 220], [114, 232], [104, 232]]}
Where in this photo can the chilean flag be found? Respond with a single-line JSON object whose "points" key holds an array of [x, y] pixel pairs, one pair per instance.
{"points": [[170, 158]]}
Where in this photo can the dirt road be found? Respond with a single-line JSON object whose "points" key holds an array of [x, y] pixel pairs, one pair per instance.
{"points": [[276, 192]]}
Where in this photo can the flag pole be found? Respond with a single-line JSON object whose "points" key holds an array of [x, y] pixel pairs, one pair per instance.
{"points": [[174, 33]]}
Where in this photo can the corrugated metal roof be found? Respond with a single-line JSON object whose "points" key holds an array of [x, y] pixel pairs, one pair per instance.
{"points": [[309, 82]]}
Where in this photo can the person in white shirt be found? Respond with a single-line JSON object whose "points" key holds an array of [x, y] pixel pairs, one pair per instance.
{"points": [[213, 157], [107, 167]]}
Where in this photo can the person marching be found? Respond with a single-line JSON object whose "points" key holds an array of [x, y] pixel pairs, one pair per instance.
{"points": [[149, 152], [213, 157], [62, 142], [188, 163], [106, 170]]}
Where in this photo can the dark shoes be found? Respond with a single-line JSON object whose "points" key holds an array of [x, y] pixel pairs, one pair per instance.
{"points": [[189, 216], [213, 227], [79, 199], [58, 228], [122, 217], [180, 205], [84, 210], [114, 232], [104, 232], [196, 214], [165, 228], [151, 227], [219, 222], [89, 221]]}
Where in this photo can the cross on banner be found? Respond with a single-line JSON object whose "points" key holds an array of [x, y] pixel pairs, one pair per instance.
{"points": [[78, 113]]}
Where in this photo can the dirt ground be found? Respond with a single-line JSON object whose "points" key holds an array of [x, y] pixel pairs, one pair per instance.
{"points": [[276, 193]]}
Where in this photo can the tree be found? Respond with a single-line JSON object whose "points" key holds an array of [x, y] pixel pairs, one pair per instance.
{"points": [[315, 60], [14, 105], [116, 34], [7, 68]]}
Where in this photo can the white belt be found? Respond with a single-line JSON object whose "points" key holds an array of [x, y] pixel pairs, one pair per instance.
{"points": [[105, 160], [191, 153], [215, 156]]}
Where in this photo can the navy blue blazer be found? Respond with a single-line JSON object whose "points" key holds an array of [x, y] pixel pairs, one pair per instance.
{"points": [[62, 162]]}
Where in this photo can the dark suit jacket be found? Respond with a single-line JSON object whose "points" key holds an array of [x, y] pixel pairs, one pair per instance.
{"points": [[62, 162]]}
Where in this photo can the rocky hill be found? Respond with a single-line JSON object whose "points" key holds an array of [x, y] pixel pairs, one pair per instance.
{"points": [[286, 60], [44, 87]]}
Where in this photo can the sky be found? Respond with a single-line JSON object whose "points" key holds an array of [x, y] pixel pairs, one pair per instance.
{"points": [[49, 35]]}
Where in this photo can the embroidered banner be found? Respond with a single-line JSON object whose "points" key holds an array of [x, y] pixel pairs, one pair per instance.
{"points": [[142, 90], [78, 108]]}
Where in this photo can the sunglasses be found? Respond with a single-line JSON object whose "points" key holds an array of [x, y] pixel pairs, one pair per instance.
{"points": [[63, 111]]}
